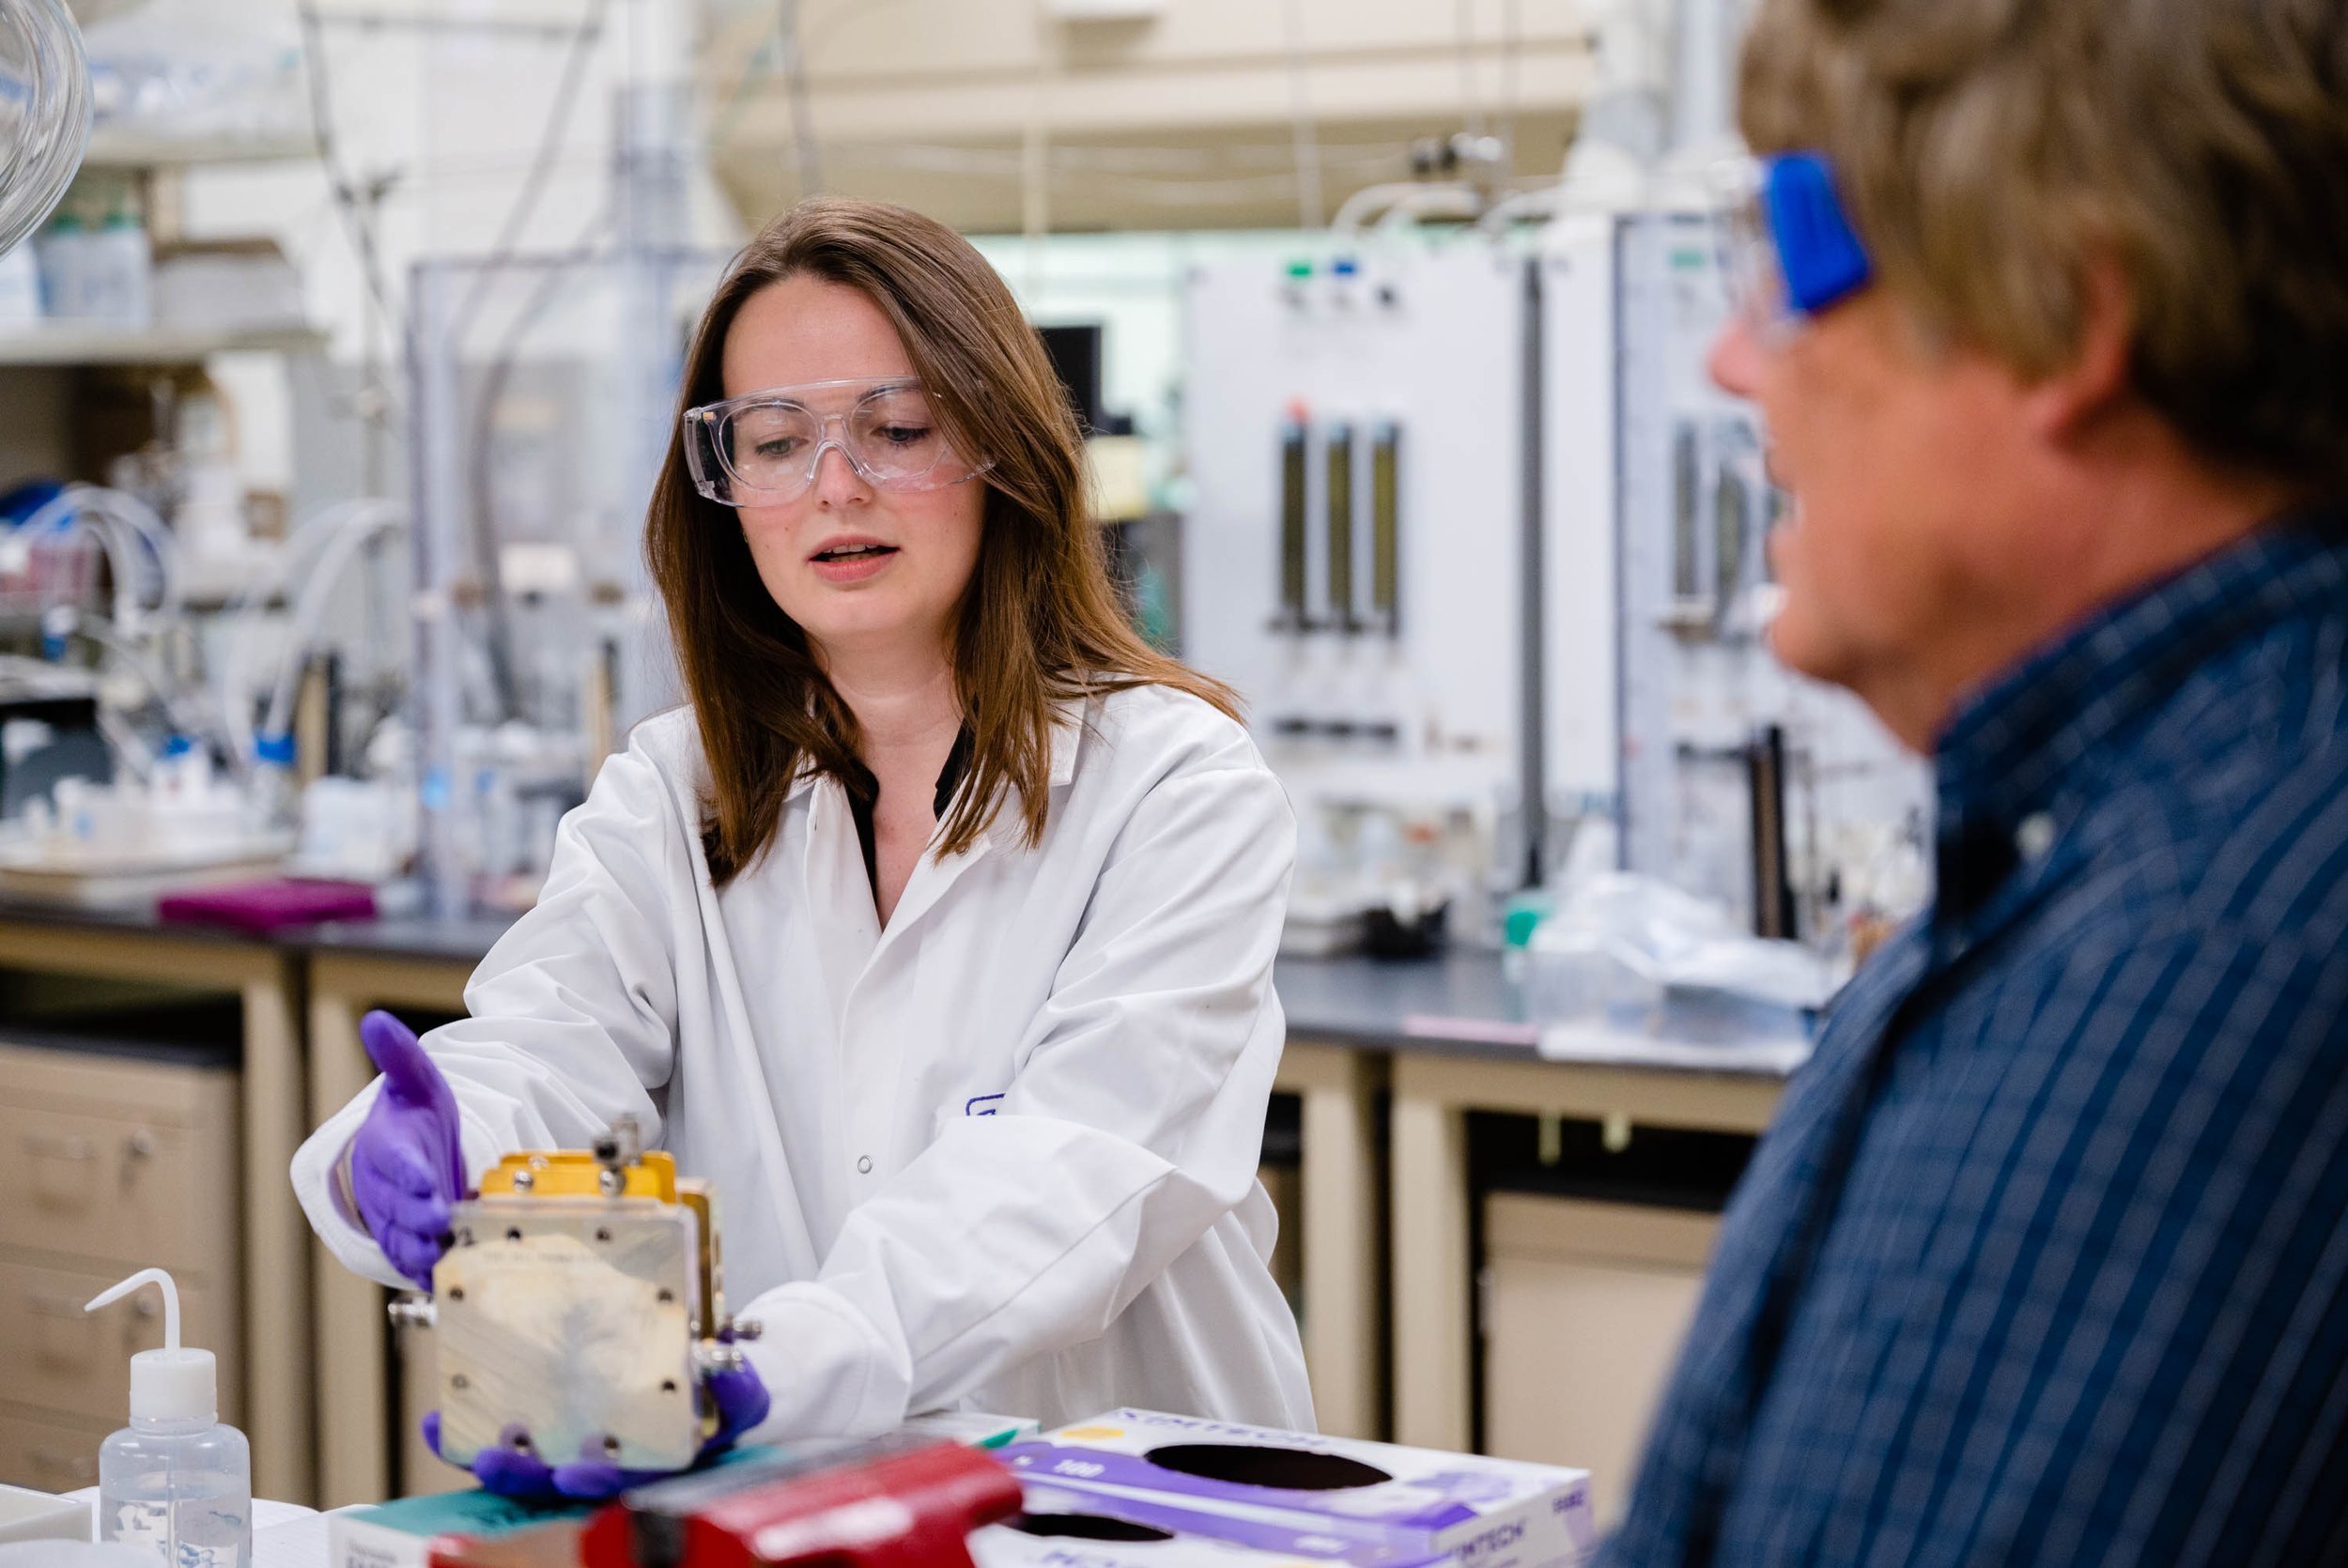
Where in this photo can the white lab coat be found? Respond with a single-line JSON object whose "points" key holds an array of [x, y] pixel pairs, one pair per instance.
{"points": [[999, 1156]]}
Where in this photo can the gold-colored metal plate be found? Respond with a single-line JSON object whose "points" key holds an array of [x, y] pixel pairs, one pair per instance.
{"points": [[701, 1199], [577, 1174], [571, 1320]]}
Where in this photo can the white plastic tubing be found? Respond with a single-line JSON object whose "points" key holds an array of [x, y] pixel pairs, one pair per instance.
{"points": [[138, 546], [1406, 199], [320, 551]]}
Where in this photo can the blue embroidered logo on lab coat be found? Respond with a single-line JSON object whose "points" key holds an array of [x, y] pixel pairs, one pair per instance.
{"points": [[986, 1105]]}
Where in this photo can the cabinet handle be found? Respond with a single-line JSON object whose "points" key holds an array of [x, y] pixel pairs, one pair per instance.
{"points": [[49, 1145], [140, 1144]]}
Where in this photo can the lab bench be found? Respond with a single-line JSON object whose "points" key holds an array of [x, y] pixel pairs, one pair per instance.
{"points": [[1388, 1062], [1443, 1030]]}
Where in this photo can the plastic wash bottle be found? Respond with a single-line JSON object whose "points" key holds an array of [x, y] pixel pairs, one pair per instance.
{"points": [[175, 1480]]}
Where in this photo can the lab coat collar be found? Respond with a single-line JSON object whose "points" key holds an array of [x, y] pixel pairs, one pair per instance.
{"points": [[935, 874], [1068, 720], [1068, 728]]}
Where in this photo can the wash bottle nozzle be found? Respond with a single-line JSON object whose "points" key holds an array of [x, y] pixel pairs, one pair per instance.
{"points": [[170, 1384]]}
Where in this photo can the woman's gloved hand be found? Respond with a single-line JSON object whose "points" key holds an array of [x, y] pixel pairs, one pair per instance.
{"points": [[510, 1471], [407, 1166]]}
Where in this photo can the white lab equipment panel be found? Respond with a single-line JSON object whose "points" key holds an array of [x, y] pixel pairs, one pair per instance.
{"points": [[1354, 549], [1665, 717]]}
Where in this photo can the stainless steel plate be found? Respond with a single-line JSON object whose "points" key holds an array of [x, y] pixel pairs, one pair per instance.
{"points": [[571, 1321]]}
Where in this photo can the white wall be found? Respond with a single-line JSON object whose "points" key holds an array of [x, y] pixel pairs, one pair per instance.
{"points": [[1180, 122], [993, 115], [986, 112]]}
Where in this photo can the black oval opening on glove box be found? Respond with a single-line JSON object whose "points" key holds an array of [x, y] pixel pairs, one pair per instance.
{"points": [[1086, 1527], [1287, 1469]]}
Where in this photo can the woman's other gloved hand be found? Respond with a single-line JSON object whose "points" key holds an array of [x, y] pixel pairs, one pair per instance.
{"points": [[510, 1471], [407, 1166]]}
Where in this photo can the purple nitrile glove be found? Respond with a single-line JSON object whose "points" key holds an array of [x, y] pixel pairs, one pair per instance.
{"points": [[407, 1166], [521, 1473]]}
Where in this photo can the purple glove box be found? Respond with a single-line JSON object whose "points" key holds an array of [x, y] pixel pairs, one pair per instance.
{"points": [[1369, 1505]]}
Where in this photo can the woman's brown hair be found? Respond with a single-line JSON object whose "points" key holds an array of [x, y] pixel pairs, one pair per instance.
{"points": [[1039, 623]]}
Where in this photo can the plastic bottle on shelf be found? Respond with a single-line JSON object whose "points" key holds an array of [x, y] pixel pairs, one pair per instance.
{"points": [[176, 1480], [63, 251], [20, 289], [123, 265]]}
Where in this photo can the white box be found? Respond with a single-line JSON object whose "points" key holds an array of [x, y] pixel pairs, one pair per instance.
{"points": [[29, 1516], [1031, 1544], [240, 285], [1370, 1505]]}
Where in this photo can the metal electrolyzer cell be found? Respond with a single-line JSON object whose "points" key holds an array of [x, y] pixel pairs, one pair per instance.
{"points": [[578, 1308]]}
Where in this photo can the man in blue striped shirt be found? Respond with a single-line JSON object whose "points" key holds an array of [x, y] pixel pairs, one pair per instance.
{"points": [[2046, 1260]]}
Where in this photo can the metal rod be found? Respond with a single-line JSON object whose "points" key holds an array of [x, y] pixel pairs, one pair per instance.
{"points": [[1531, 741], [1386, 525], [1339, 461], [1772, 888], [1293, 543]]}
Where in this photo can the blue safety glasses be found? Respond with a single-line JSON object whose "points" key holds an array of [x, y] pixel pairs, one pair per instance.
{"points": [[1788, 250]]}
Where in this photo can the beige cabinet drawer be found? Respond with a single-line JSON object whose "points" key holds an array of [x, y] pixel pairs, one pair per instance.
{"points": [[55, 1355], [1286, 1185], [119, 1161], [49, 1452], [1585, 1305]]}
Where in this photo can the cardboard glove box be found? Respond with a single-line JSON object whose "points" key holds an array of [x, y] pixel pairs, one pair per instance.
{"points": [[1297, 1496]]}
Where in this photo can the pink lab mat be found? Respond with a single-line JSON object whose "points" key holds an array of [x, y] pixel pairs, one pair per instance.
{"points": [[263, 907]]}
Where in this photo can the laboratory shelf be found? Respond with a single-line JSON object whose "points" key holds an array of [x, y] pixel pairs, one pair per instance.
{"points": [[131, 149], [76, 344]]}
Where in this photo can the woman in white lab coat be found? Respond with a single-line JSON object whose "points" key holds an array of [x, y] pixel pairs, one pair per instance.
{"points": [[937, 928]]}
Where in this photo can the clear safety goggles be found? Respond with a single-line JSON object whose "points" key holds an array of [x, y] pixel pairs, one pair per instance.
{"points": [[762, 449], [1788, 247]]}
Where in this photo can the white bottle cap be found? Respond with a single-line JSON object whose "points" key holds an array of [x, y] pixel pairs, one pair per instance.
{"points": [[170, 1384]]}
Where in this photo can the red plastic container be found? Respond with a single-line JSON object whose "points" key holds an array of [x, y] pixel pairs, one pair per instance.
{"points": [[908, 1508]]}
